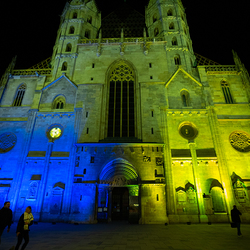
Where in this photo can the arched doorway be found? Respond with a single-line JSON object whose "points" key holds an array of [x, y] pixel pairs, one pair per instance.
{"points": [[118, 192], [120, 204]]}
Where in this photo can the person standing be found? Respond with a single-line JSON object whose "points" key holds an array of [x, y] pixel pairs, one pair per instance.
{"points": [[235, 216], [22, 231], [5, 218]]}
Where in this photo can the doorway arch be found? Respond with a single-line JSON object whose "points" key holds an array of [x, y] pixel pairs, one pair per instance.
{"points": [[118, 192]]}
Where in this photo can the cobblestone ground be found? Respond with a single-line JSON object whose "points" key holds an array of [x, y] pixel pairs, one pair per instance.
{"points": [[125, 236]]}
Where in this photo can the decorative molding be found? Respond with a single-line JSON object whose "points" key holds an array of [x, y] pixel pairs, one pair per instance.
{"points": [[73, 55], [7, 142], [187, 113], [69, 37], [52, 115], [240, 141], [78, 20]]}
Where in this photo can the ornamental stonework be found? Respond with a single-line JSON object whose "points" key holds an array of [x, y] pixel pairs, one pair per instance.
{"points": [[188, 131], [7, 142], [240, 141]]}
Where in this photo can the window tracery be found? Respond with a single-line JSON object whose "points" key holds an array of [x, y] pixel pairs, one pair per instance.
{"points": [[174, 41], [156, 32], [59, 103], [19, 95], [226, 92], [177, 60], [68, 47], [72, 30], [121, 117], [64, 66], [171, 26], [170, 12]]}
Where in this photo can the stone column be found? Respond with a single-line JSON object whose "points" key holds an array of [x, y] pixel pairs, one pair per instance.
{"points": [[44, 177], [71, 166], [197, 184], [168, 172], [25, 149], [222, 167]]}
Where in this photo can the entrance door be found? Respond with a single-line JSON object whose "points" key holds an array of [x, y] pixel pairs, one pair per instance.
{"points": [[120, 204]]}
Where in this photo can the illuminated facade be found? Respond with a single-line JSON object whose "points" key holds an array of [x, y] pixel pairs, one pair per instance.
{"points": [[126, 122]]}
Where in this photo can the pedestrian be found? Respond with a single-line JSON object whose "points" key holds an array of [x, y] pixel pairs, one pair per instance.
{"points": [[22, 231], [5, 218], [235, 215]]}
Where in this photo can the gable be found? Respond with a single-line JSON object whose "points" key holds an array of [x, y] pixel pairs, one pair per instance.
{"points": [[61, 86], [178, 72]]}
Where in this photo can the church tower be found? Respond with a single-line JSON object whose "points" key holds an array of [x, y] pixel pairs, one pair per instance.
{"points": [[167, 19], [80, 19]]}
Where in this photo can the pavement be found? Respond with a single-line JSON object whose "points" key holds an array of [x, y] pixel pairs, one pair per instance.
{"points": [[124, 236]]}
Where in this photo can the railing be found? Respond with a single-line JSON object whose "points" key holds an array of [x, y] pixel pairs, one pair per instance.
{"points": [[220, 68], [118, 40], [31, 72]]}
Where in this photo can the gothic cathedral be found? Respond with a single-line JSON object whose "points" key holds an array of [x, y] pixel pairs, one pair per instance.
{"points": [[126, 122]]}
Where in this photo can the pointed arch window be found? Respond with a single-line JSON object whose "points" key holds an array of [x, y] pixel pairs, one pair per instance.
{"points": [[68, 47], [171, 26], [74, 15], [87, 34], [89, 19], [72, 30], [177, 60], [121, 115], [19, 96], [174, 41], [154, 18], [185, 98], [64, 66], [156, 32], [59, 103], [170, 12], [226, 92]]}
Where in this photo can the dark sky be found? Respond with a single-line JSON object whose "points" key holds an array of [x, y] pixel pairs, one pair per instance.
{"points": [[29, 28]]}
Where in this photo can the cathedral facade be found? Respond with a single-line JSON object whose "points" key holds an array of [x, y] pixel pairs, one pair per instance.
{"points": [[126, 122]]}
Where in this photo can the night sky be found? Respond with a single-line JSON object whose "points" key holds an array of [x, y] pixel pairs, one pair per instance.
{"points": [[29, 28]]}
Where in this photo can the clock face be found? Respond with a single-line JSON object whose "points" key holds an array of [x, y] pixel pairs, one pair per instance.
{"points": [[55, 132]]}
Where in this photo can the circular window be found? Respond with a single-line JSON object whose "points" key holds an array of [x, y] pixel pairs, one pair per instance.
{"points": [[54, 132], [240, 141], [188, 131], [7, 142]]}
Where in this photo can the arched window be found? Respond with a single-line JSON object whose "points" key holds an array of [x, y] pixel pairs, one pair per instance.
{"points": [[121, 115], [174, 41], [59, 102], [68, 47], [182, 17], [171, 26], [188, 46], [64, 66], [72, 30], [226, 92], [154, 18], [74, 15], [156, 32], [191, 63], [185, 98], [177, 60], [170, 12], [87, 34], [19, 95], [89, 19]]}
